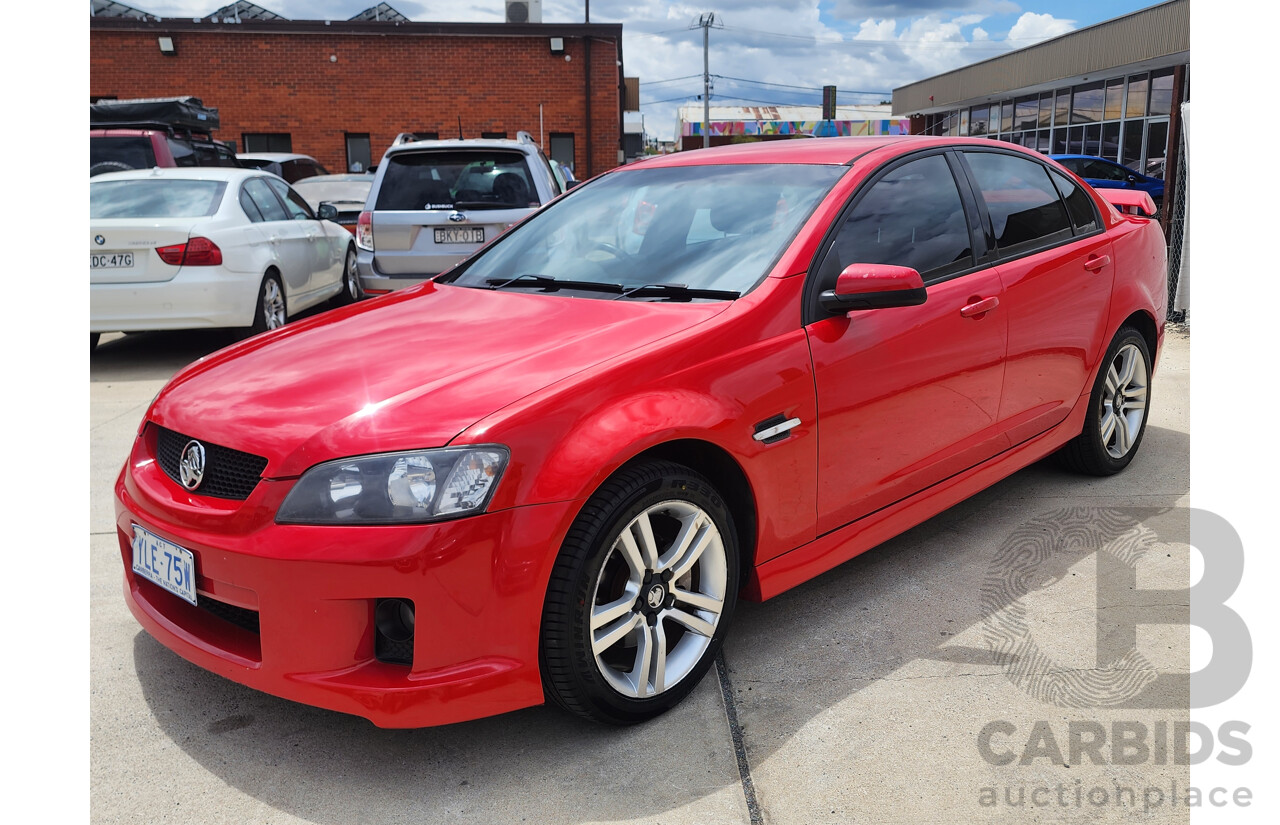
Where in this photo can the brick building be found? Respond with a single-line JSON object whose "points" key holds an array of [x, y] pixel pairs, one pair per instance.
{"points": [[342, 90]]}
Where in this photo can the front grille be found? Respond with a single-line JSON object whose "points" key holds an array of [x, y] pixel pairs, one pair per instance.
{"points": [[239, 616], [228, 473]]}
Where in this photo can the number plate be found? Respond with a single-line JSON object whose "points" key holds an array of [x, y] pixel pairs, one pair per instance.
{"points": [[110, 260], [164, 563], [472, 234]]}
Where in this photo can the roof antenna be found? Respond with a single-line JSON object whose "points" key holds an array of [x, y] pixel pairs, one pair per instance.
{"points": [[459, 127]]}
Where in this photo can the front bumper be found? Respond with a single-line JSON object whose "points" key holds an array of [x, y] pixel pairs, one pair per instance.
{"points": [[477, 583]]}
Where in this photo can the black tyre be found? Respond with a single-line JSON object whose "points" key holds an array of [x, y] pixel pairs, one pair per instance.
{"points": [[93, 340], [271, 312], [641, 595], [351, 291], [1118, 408]]}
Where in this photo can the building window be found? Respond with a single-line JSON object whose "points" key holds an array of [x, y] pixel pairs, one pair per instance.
{"points": [[1136, 105], [562, 148], [359, 155], [494, 135], [267, 142], [1161, 103], [1087, 103]]}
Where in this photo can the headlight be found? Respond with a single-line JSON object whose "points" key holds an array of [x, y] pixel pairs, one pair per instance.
{"points": [[397, 488]]}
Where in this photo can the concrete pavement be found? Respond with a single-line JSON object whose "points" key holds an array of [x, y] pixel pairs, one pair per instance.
{"points": [[862, 696]]}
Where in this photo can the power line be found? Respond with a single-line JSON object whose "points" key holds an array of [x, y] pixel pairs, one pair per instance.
{"points": [[787, 86], [668, 80]]}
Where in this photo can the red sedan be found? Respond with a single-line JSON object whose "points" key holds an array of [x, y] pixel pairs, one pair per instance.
{"points": [[702, 377]]}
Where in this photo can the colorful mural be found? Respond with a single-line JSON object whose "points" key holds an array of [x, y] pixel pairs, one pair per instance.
{"points": [[817, 128]]}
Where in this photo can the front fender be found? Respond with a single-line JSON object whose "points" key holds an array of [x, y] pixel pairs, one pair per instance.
{"points": [[568, 439]]}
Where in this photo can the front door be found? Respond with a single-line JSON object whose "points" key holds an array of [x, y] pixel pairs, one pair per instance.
{"points": [[907, 396]]}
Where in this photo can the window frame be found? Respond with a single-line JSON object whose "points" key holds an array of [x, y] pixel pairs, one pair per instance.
{"points": [[980, 240]]}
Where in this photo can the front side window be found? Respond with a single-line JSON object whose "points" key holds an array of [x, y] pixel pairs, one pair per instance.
{"points": [[163, 198], [703, 227], [297, 206], [913, 216], [1025, 208]]}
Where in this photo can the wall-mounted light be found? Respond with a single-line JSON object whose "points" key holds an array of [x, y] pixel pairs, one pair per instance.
{"points": [[166, 46], [557, 45]]}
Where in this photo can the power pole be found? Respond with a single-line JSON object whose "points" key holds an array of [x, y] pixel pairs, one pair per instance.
{"points": [[706, 21]]}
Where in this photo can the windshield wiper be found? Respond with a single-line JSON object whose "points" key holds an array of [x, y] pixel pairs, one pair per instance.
{"points": [[677, 291], [552, 284]]}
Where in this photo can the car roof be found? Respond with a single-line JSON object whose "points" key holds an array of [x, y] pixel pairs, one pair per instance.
{"points": [[827, 150], [366, 177], [273, 156], [226, 173], [466, 143]]}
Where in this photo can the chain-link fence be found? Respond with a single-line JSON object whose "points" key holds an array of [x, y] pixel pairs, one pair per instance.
{"points": [[1177, 228]]}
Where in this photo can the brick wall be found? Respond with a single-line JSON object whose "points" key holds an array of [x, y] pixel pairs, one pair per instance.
{"points": [[380, 84]]}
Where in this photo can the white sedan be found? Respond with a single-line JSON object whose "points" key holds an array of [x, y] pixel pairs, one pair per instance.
{"points": [[191, 248]]}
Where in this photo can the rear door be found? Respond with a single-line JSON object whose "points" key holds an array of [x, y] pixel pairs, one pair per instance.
{"points": [[435, 207], [907, 396], [292, 246], [1057, 270]]}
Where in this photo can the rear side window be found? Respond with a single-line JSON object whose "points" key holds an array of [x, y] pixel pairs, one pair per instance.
{"points": [[913, 216], [183, 153], [117, 153], [155, 198], [1026, 211], [1084, 217], [268, 204], [445, 180]]}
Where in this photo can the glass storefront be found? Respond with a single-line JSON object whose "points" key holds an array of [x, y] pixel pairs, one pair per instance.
{"points": [[1125, 119]]}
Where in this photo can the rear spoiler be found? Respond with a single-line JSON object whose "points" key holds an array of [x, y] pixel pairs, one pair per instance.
{"points": [[1129, 201]]}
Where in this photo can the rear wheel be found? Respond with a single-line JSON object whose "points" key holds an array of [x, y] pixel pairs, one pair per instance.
{"points": [[93, 340], [271, 312], [1117, 416], [350, 281], [108, 166], [641, 595]]}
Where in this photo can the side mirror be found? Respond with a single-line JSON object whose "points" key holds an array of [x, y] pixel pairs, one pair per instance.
{"points": [[874, 286], [327, 212]]}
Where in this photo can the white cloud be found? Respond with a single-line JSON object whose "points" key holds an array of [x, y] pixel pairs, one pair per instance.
{"points": [[1032, 27]]}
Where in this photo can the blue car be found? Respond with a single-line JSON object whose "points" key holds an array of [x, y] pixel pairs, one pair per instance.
{"points": [[1101, 173]]}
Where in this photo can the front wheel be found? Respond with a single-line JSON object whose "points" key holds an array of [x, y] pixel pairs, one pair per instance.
{"points": [[1117, 416], [641, 595], [271, 312]]}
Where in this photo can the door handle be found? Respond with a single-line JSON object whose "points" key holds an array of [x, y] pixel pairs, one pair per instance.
{"points": [[1097, 262], [978, 308]]}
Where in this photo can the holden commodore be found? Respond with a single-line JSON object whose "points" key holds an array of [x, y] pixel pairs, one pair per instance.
{"points": [[549, 473]]}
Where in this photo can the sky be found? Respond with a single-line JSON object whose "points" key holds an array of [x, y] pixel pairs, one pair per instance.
{"points": [[762, 51]]}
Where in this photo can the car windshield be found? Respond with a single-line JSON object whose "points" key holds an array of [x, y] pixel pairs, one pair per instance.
{"points": [[149, 198], [333, 191], [473, 179], [700, 227]]}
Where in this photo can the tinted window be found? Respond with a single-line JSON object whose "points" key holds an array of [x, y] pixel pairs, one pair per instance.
{"points": [[183, 154], [438, 180], [1098, 170], [120, 153], [268, 204], [912, 217], [1079, 205], [1025, 208], [154, 198], [298, 208]]}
